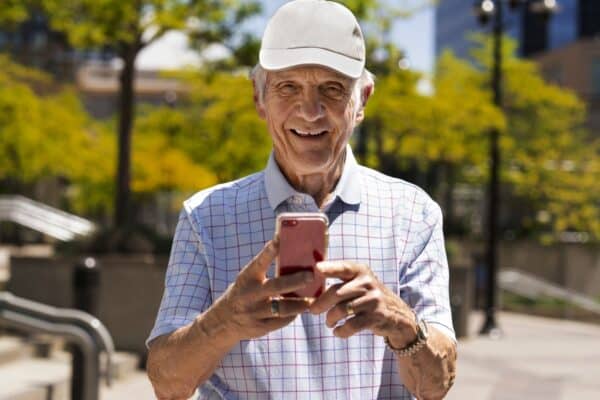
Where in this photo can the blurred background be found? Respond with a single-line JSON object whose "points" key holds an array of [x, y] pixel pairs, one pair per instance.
{"points": [[112, 112]]}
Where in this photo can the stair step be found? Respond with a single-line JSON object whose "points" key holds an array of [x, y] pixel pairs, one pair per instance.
{"points": [[13, 348], [24, 377], [135, 386], [123, 365], [35, 379]]}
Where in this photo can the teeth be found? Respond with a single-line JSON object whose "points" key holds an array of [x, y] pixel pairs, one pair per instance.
{"points": [[301, 133]]}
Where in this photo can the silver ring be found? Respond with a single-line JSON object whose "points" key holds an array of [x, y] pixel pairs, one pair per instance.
{"points": [[350, 309], [275, 307]]}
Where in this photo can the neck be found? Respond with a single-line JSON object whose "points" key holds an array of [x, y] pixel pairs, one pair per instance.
{"points": [[319, 186]]}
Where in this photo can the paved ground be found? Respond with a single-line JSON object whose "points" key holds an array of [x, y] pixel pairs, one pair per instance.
{"points": [[537, 358]]}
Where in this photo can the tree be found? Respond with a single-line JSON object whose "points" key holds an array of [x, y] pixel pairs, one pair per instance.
{"points": [[40, 124], [128, 27], [217, 127], [549, 163], [13, 12]]}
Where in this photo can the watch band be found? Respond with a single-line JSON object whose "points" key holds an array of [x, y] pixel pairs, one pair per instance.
{"points": [[413, 347]]}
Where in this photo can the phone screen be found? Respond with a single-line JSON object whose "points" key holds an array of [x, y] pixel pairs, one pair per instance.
{"points": [[302, 243]]}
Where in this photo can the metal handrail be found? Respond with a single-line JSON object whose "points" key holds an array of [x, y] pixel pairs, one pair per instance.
{"points": [[529, 286], [86, 332], [43, 218]]}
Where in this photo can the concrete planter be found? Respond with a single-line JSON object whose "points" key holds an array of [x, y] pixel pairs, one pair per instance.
{"points": [[129, 294]]}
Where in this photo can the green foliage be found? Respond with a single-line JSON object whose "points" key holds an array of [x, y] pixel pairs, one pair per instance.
{"points": [[127, 27], [33, 145], [116, 23], [548, 160], [217, 127], [231, 138], [158, 164], [448, 128], [548, 157], [12, 12]]}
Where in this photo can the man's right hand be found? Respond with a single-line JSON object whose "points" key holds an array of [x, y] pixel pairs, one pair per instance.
{"points": [[246, 305], [242, 312]]}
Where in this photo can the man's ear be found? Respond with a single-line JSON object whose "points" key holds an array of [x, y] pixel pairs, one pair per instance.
{"points": [[364, 97], [260, 108]]}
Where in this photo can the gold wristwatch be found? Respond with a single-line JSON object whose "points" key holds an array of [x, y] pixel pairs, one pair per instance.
{"points": [[416, 345]]}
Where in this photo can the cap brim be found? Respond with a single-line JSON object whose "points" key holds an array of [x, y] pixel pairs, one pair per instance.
{"points": [[276, 59]]}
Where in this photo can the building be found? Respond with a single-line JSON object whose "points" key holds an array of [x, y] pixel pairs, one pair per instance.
{"points": [[566, 45], [34, 44], [95, 73], [575, 19], [577, 66]]}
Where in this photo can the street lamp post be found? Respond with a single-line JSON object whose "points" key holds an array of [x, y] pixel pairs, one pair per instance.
{"points": [[486, 9]]}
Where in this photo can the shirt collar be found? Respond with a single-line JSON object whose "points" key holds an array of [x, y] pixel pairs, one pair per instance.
{"points": [[278, 188]]}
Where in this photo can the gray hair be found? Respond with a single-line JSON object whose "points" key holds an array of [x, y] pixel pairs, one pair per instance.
{"points": [[366, 79]]}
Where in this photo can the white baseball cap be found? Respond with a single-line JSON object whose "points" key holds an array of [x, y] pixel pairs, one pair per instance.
{"points": [[318, 32]]}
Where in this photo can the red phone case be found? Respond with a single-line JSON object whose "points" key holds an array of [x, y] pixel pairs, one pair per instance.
{"points": [[302, 243]]}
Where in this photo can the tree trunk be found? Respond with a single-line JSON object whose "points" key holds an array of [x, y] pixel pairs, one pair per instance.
{"points": [[126, 112], [449, 198]]}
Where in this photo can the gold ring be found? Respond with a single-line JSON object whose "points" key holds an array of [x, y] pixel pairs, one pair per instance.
{"points": [[349, 309], [275, 307]]}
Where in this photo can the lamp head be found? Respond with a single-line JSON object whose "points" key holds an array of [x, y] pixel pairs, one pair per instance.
{"points": [[484, 9], [545, 7]]}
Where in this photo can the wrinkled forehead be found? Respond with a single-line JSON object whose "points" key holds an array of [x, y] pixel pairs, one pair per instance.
{"points": [[309, 73]]}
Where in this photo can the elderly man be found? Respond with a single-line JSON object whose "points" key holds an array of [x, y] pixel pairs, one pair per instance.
{"points": [[382, 329]]}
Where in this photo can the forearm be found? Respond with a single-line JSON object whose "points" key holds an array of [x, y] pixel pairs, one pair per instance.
{"points": [[184, 359], [430, 372]]}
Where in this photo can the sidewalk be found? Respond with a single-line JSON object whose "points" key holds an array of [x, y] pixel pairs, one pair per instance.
{"points": [[537, 358]]}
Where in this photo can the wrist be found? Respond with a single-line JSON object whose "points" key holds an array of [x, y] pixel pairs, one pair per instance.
{"points": [[213, 325], [402, 346], [407, 334]]}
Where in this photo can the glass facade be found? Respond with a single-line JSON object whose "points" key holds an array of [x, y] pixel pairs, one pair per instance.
{"points": [[563, 25], [589, 18], [595, 78], [455, 19]]}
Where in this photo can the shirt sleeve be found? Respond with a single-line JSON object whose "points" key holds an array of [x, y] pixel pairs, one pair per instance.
{"points": [[424, 283], [187, 285]]}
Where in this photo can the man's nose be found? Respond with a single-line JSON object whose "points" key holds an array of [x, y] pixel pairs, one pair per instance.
{"points": [[311, 107]]}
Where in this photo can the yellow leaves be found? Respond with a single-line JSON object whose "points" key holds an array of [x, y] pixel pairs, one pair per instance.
{"points": [[451, 126], [95, 22], [13, 12], [214, 136], [157, 165], [223, 130], [39, 134]]}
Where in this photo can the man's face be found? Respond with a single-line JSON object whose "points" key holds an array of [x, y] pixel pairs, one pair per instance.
{"points": [[310, 114]]}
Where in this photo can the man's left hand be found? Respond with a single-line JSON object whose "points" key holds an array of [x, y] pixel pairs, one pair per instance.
{"points": [[375, 307]]}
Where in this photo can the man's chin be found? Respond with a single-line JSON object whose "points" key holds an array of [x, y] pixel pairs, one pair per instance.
{"points": [[309, 163]]}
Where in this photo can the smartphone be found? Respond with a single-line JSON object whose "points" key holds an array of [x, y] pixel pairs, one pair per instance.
{"points": [[303, 241]]}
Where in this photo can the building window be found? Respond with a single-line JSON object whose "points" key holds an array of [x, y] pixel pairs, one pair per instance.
{"points": [[596, 76], [554, 74]]}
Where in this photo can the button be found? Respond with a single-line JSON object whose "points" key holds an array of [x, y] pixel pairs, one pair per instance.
{"points": [[297, 199]]}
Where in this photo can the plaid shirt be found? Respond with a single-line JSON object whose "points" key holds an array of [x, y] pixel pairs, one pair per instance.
{"points": [[386, 223]]}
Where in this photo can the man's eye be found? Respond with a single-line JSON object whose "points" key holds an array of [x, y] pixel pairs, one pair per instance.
{"points": [[287, 88], [333, 91]]}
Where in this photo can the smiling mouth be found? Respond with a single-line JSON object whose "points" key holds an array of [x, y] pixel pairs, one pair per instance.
{"points": [[308, 134]]}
